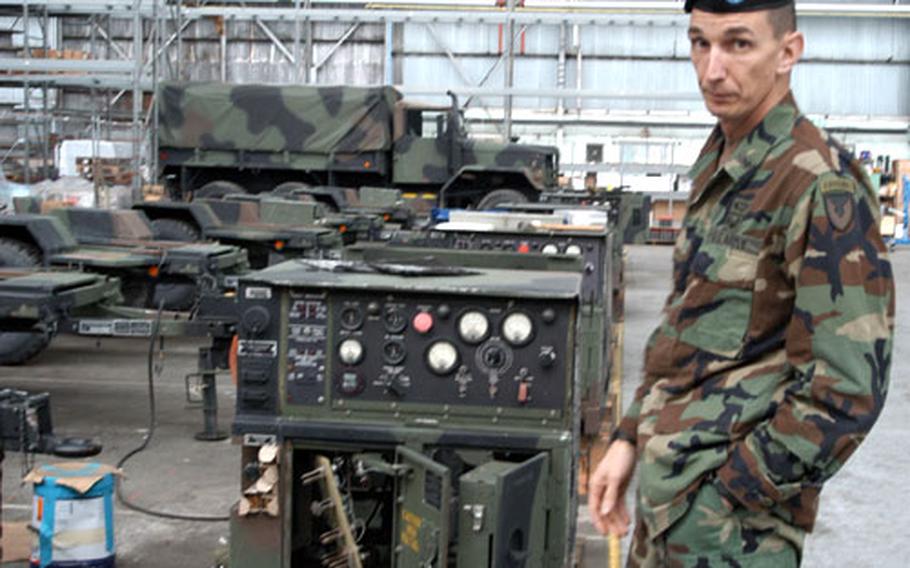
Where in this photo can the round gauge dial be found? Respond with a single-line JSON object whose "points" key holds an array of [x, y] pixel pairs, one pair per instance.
{"points": [[393, 352], [573, 250], [550, 248], [517, 328], [350, 351], [395, 320], [442, 357], [351, 318], [473, 326]]}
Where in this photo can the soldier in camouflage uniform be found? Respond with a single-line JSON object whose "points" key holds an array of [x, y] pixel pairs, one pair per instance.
{"points": [[771, 363]]}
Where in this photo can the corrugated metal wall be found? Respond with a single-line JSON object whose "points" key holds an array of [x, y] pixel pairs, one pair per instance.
{"points": [[854, 70]]}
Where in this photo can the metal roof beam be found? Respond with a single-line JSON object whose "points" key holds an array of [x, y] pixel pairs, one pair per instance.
{"points": [[534, 12], [42, 65]]}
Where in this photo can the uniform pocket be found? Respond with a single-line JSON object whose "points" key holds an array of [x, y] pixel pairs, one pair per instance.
{"points": [[717, 305]]}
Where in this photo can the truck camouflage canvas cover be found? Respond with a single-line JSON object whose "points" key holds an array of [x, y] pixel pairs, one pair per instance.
{"points": [[268, 118]]}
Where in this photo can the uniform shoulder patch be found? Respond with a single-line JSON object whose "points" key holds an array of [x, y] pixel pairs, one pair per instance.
{"points": [[839, 194]]}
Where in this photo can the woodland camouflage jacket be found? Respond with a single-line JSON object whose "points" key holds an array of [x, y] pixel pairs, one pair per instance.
{"points": [[771, 363]]}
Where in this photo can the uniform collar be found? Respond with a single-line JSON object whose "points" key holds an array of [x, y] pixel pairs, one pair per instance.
{"points": [[751, 150]]}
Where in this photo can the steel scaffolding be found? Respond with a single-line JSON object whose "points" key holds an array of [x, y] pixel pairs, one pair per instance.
{"points": [[129, 45]]}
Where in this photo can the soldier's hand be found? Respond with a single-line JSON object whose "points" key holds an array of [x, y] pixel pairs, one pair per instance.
{"points": [[607, 489]]}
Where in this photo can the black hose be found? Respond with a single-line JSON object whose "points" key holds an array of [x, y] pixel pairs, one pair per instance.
{"points": [[153, 422]]}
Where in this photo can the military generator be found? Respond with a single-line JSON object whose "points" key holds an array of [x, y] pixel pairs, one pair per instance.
{"points": [[493, 239], [406, 416]]}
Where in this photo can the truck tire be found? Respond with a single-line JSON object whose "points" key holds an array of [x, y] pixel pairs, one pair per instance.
{"points": [[218, 189], [175, 230], [17, 347], [501, 196]]}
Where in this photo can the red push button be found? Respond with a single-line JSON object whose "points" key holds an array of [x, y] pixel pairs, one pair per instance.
{"points": [[423, 322]]}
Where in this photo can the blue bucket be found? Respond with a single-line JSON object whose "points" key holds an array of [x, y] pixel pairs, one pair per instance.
{"points": [[74, 529]]}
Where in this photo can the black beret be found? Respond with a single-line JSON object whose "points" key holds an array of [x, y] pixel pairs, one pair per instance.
{"points": [[727, 6]]}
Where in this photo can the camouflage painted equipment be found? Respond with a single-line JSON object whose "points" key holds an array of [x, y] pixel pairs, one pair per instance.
{"points": [[131, 232], [217, 139], [270, 230], [473, 460], [276, 119], [32, 304], [772, 360], [28, 298], [117, 243], [35, 305]]}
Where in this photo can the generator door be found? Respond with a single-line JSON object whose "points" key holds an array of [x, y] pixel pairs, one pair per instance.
{"points": [[422, 515]]}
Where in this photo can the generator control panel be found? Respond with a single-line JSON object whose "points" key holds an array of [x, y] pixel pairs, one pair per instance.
{"points": [[399, 343]]}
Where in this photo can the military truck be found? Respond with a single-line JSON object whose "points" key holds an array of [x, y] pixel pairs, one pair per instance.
{"points": [[119, 243], [217, 138]]}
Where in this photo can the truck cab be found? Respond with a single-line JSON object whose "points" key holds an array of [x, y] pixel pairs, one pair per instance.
{"points": [[432, 150]]}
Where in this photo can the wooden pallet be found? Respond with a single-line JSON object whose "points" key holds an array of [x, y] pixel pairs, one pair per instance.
{"points": [[110, 171]]}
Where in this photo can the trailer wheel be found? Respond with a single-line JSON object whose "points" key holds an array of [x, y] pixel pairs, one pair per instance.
{"points": [[176, 295], [218, 189], [174, 230], [500, 197], [140, 292], [16, 253], [17, 347]]}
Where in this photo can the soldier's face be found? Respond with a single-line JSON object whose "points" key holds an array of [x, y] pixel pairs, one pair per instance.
{"points": [[738, 61]]}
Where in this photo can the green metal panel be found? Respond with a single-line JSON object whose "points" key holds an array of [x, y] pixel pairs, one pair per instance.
{"points": [[424, 494], [502, 514], [255, 541], [287, 212]]}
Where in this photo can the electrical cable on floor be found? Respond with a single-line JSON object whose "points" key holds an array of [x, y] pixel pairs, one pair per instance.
{"points": [[153, 420]]}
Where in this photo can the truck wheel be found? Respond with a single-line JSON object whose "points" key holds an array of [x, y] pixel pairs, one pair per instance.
{"points": [[174, 230], [288, 188], [218, 189], [17, 347], [500, 197]]}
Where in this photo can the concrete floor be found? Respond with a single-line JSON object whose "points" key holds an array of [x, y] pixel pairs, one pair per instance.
{"points": [[101, 390]]}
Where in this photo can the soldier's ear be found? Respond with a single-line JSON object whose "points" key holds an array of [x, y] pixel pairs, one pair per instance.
{"points": [[792, 46]]}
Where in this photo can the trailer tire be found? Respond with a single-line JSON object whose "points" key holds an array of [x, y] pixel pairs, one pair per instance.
{"points": [[16, 253], [218, 189], [17, 347], [501, 196], [176, 295], [175, 230]]}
